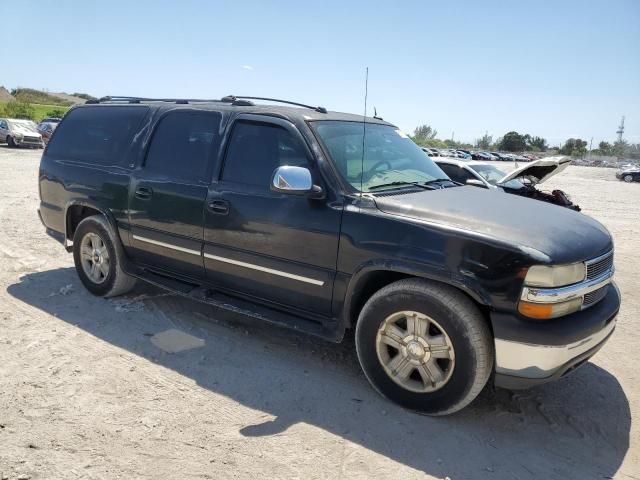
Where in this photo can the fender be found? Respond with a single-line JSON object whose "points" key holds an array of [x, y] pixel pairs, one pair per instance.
{"points": [[360, 277], [68, 243]]}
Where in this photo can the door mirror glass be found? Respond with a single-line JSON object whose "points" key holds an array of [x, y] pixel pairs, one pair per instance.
{"points": [[288, 179], [476, 183]]}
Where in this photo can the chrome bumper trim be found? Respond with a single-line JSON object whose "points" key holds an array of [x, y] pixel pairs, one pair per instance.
{"points": [[541, 361], [563, 294]]}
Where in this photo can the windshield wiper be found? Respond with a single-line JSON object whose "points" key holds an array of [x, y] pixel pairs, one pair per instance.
{"points": [[437, 180], [401, 183]]}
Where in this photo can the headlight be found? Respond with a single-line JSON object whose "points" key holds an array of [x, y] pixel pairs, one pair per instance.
{"points": [[555, 276], [552, 276], [18, 135]]}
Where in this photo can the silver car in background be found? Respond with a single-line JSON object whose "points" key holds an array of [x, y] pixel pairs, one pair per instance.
{"points": [[20, 133]]}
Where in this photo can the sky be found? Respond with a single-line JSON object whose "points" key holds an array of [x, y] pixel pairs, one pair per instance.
{"points": [[553, 68]]}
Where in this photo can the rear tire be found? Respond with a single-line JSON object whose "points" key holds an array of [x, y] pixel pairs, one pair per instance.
{"points": [[425, 346], [98, 256]]}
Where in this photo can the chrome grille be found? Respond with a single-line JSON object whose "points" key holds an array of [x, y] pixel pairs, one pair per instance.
{"points": [[594, 297], [599, 266], [31, 139]]}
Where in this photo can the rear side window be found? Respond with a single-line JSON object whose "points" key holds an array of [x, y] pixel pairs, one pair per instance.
{"points": [[183, 145], [257, 149], [99, 135]]}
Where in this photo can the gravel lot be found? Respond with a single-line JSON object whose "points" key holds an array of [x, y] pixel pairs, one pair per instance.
{"points": [[155, 386]]}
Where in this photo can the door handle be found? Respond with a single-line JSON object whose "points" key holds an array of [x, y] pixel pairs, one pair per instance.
{"points": [[144, 193], [220, 207]]}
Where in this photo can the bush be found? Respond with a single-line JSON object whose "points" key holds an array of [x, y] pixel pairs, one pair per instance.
{"points": [[56, 113], [19, 110]]}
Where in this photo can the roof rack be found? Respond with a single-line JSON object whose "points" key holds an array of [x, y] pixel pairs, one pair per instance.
{"points": [[124, 99], [234, 99], [239, 101]]}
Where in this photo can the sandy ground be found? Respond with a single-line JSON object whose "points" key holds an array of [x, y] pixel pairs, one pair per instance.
{"points": [[155, 386]]}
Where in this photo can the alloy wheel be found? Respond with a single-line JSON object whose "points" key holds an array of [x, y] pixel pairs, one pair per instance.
{"points": [[415, 351], [95, 259]]}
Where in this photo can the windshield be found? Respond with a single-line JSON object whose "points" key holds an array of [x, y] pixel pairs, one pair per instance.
{"points": [[493, 175], [24, 124], [390, 157]]}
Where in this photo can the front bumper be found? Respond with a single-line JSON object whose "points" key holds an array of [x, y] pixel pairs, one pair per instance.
{"points": [[523, 364], [29, 142]]}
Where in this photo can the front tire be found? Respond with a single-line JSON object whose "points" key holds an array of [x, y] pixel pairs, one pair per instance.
{"points": [[98, 257], [628, 178], [11, 142], [425, 346]]}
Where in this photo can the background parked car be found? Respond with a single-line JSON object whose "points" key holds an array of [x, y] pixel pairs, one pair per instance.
{"points": [[51, 120], [502, 156], [432, 152], [20, 133], [482, 156], [46, 129], [522, 181], [629, 174]]}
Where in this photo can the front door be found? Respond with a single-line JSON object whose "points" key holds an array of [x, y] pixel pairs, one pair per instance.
{"points": [[168, 191], [276, 247]]}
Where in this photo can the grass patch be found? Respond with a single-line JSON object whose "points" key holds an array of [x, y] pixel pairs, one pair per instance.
{"points": [[39, 111]]}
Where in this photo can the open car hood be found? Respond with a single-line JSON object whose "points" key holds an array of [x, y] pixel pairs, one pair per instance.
{"points": [[539, 171]]}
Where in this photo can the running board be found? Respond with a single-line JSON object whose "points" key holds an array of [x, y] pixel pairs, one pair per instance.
{"points": [[239, 306]]}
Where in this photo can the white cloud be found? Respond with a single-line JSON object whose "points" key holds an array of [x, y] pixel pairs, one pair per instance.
{"points": [[247, 67]]}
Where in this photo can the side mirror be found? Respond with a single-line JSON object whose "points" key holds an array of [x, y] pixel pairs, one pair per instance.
{"points": [[475, 183], [295, 181]]}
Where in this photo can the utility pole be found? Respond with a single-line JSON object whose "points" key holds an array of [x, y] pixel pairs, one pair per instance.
{"points": [[590, 145], [620, 130]]}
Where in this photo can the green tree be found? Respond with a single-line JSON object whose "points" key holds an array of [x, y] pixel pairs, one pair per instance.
{"points": [[605, 148], [423, 134], [619, 148], [513, 142], [538, 144], [485, 142], [19, 110], [576, 147]]}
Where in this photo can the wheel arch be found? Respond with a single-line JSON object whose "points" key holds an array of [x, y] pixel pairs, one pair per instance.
{"points": [[372, 277], [78, 210]]}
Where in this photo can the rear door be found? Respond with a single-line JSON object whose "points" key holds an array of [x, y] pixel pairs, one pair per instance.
{"points": [[276, 247], [167, 192]]}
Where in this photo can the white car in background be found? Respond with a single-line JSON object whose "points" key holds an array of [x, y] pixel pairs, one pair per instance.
{"points": [[20, 133], [521, 181]]}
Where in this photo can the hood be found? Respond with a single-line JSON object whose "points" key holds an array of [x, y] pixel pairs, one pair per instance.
{"points": [[23, 130], [559, 234], [539, 170]]}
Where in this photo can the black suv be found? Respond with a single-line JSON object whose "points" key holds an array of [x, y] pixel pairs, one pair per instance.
{"points": [[323, 222]]}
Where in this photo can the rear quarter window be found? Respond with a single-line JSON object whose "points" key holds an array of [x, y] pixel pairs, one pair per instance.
{"points": [[99, 135]]}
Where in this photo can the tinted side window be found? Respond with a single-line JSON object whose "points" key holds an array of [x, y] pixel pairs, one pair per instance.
{"points": [[257, 149], [455, 173], [183, 144], [100, 134]]}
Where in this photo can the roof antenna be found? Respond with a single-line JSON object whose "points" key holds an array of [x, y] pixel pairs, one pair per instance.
{"points": [[364, 126]]}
